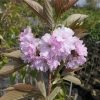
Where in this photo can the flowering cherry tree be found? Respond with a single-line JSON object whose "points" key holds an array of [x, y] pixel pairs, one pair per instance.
{"points": [[61, 48]]}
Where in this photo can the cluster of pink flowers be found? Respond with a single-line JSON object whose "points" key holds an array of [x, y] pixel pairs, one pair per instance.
{"points": [[48, 52]]}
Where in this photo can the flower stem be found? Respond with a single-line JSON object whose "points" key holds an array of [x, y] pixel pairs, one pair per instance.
{"points": [[49, 84]]}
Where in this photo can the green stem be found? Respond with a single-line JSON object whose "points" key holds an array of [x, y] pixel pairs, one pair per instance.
{"points": [[59, 68]]}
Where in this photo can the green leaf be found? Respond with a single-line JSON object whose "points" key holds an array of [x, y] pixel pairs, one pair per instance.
{"points": [[12, 31], [41, 84], [54, 93], [33, 73], [56, 80], [1, 11], [5, 60], [22, 73], [1, 64], [63, 89], [1, 37], [72, 79], [12, 77], [61, 92]]}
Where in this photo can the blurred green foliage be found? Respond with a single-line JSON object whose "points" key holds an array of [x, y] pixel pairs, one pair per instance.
{"points": [[15, 18]]}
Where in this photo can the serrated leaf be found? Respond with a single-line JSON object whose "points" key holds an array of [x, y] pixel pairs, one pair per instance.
{"points": [[74, 17], [81, 35], [72, 79], [47, 11], [14, 54], [20, 95], [54, 93], [84, 26], [36, 7], [24, 87], [12, 77], [72, 25], [78, 31], [28, 88], [68, 5], [11, 67], [40, 83], [59, 5], [8, 89]]}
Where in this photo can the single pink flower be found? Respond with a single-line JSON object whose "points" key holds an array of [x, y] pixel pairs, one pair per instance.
{"points": [[53, 63], [45, 47], [80, 48], [44, 64], [26, 36], [74, 62], [63, 41], [29, 51], [28, 45], [40, 63]]}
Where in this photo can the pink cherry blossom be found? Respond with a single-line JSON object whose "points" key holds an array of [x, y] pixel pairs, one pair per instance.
{"points": [[44, 64], [62, 41], [29, 51], [63, 33], [26, 36], [53, 63], [74, 62], [28, 45], [40, 63], [80, 48], [45, 47]]}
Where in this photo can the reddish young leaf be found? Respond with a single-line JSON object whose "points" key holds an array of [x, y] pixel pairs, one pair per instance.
{"points": [[69, 5], [14, 54], [48, 13], [59, 5], [36, 7], [11, 67]]}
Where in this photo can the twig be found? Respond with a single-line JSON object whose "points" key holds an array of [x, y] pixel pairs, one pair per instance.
{"points": [[49, 84], [70, 89]]}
